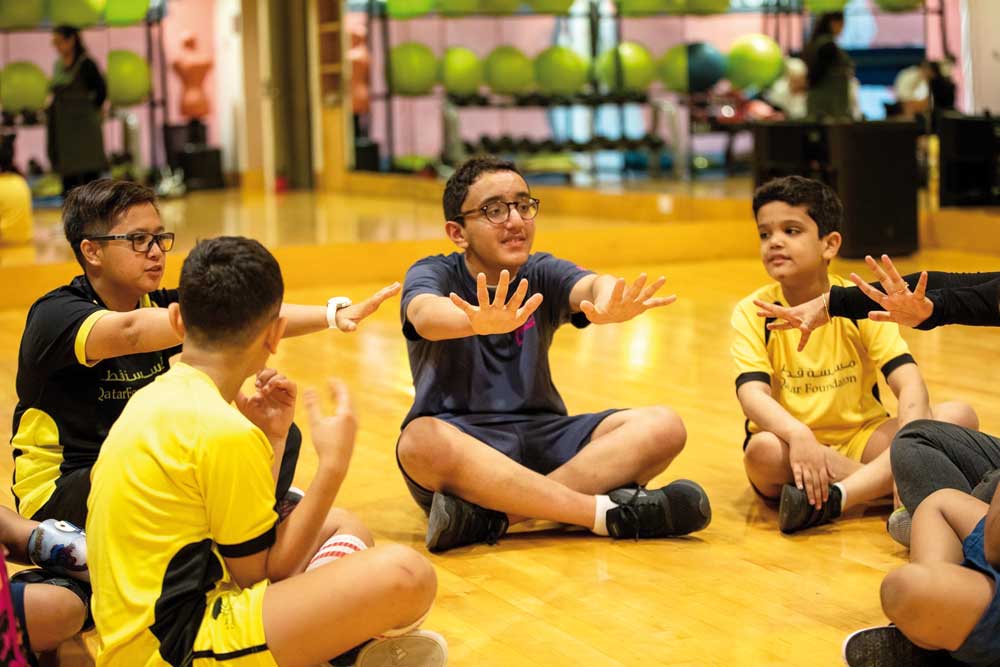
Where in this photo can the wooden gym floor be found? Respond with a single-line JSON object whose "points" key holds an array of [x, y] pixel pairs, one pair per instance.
{"points": [[738, 593]]}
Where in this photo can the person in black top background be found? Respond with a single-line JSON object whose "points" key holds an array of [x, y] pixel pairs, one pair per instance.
{"points": [[75, 133], [830, 70]]}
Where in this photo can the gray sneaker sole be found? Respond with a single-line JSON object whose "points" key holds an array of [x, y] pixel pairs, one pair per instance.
{"points": [[704, 506], [885, 646], [438, 521], [420, 648]]}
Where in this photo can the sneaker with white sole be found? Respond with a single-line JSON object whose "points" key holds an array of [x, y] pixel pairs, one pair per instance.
{"points": [[420, 648]]}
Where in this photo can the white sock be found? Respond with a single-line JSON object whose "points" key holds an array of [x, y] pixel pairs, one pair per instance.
{"points": [[601, 506], [843, 495], [336, 548]]}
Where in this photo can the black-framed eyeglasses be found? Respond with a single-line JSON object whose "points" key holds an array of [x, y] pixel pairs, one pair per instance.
{"points": [[141, 241], [498, 212]]}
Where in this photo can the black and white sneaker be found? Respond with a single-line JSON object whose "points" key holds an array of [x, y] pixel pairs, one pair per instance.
{"points": [[679, 508], [795, 513], [886, 646], [454, 522], [420, 648]]}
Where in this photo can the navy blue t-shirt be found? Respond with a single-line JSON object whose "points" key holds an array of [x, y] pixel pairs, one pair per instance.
{"points": [[505, 373]]}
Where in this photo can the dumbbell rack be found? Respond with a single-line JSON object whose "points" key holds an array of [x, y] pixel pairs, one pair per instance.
{"points": [[155, 56]]}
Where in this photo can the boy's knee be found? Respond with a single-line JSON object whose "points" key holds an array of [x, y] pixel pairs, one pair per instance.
{"points": [[763, 452], [666, 428], [340, 521], [959, 413], [424, 449], [902, 591], [410, 575]]}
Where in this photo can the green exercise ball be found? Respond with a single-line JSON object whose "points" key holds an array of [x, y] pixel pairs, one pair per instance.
{"points": [[125, 12], [499, 6], [458, 7], [560, 70], [77, 13], [691, 68], [408, 9], [413, 68], [23, 87], [899, 5], [461, 71], [509, 72], [823, 6], [129, 81], [21, 13], [550, 6], [646, 7], [755, 60], [707, 6], [637, 68]]}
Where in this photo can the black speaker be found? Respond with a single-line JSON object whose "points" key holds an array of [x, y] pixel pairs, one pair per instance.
{"points": [[788, 148], [969, 160], [202, 168], [873, 167]]}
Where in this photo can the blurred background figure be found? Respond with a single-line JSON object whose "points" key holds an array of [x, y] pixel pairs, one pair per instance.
{"points": [[16, 225], [830, 70], [75, 136]]}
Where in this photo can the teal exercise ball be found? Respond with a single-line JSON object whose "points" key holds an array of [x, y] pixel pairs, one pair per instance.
{"points": [[550, 6], [509, 72], [23, 87], [899, 5], [823, 6], [560, 70], [458, 7], [129, 81], [413, 68], [646, 7], [408, 9], [754, 61], [637, 68], [691, 68], [76, 13], [461, 71], [707, 6], [125, 12], [16, 14], [499, 6]]}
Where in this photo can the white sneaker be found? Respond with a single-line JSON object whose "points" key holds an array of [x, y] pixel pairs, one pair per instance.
{"points": [[420, 648]]}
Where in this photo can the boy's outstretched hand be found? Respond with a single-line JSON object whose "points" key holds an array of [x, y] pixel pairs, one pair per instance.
{"points": [[898, 303], [622, 304], [332, 435], [500, 316], [347, 319], [806, 317], [271, 408]]}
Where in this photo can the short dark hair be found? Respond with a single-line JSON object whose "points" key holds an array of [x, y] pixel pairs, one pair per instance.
{"points": [[457, 188], [821, 202], [93, 209], [230, 288]]}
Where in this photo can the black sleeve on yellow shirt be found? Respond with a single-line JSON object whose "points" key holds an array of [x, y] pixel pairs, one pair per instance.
{"points": [[894, 363], [250, 547], [758, 376]]}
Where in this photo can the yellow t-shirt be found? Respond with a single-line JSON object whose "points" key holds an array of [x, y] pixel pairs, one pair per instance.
{"points": [[15, 209], [182, 479], [832, 385]]}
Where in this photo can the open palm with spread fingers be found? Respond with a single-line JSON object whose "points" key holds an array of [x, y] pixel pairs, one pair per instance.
{"points": [[806, 317], [899, 304], [501, 316], [623, 303]]}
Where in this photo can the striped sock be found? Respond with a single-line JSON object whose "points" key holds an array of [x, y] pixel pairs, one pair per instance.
{"points": [[336, 548]]}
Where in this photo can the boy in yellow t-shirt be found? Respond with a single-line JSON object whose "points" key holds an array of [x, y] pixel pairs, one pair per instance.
{"points": [[817, 434]]}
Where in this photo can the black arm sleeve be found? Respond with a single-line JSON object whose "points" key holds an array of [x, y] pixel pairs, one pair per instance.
{"points": [[822, 57], [959, 298], [94, 81]]}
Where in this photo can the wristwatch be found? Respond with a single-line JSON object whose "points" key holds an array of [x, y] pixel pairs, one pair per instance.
{"points": [[332, 306]]}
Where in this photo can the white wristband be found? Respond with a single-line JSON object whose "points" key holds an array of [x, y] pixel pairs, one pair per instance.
{"points": [[332, 306]]}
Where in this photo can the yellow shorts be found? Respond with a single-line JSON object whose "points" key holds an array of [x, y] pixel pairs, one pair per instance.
{"points": [[232, 630], [854, 447]]}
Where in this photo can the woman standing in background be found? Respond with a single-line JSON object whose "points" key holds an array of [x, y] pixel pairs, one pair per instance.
{"points": [[75, 134], [830, 70]]}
